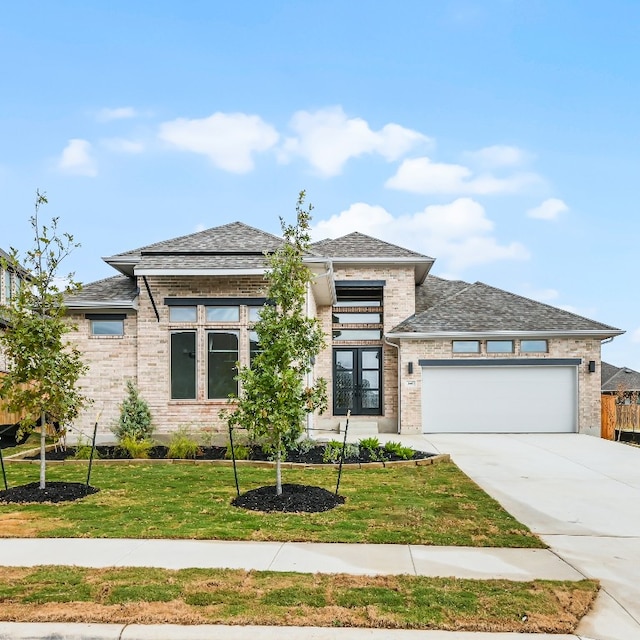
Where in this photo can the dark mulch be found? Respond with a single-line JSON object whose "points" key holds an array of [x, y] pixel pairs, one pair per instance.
{"points": [[312, 456], [53, 492], [295, 498]]}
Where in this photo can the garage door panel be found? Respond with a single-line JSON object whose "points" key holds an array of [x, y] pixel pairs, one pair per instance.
{"points": [[503, 399]]}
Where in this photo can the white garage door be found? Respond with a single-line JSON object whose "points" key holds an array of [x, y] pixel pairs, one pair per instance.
{"points": [[499, 399]]}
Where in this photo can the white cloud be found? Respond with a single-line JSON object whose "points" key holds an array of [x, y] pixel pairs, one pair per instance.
{"points": [[76, 159], [421, 175], [457, 234], [327, 139], [122, 145], [119, 113], [498, 155], [549, 210], [229, 140]]}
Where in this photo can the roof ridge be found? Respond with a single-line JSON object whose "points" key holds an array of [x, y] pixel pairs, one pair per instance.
{"points": [[368, 237]]}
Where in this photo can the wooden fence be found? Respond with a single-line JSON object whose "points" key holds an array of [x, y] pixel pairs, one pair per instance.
{"points": [[624, 417]]}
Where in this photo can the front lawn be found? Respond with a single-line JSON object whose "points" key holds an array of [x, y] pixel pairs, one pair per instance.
{"points": [[206, 596], [435, 505]]}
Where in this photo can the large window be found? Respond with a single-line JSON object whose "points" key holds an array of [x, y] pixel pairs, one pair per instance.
{"points": [[222, 363], [209, 337], [183, 365]]}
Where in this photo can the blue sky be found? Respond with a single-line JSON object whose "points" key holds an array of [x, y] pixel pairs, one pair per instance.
{"points": [[499, 136]]}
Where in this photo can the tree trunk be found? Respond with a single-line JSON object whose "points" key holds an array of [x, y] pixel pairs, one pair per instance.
{"points": [[43, 447], [278, 473]]}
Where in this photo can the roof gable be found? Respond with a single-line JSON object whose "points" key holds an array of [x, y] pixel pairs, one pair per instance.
{"points": [[479, 308], [619, 378]]}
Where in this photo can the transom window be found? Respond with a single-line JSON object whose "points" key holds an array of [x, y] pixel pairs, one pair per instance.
{"points": [[106, 324], [183, 314], [107, 327], [499, 346], [466, 346], [534, 346], [222, 314]]}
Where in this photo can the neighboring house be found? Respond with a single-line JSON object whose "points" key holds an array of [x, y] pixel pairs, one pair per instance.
{"points": [[10, 282], [406, 352], [620, 381]]}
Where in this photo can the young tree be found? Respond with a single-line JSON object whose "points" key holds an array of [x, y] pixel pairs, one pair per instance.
{"points": [[275, 395], [43, 367]]}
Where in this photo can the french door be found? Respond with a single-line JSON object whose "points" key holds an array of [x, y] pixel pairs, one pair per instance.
{"points": [[357, 381]]}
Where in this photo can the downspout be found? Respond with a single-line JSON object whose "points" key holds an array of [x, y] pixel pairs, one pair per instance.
{"points": [[397, 348]]}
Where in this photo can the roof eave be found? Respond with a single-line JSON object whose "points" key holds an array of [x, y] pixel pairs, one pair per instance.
{"points": [[433, 335], [102, 304], [125, 265]]}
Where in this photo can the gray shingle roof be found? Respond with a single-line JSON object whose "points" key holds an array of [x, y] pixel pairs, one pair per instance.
{"points": [[115, 289], [613, 377], [434, 290], [235, 237], [201, 262], [359, 245], [481, 308]]}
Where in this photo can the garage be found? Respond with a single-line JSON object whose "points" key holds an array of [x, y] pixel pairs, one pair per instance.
{"points": [[499, 396]]}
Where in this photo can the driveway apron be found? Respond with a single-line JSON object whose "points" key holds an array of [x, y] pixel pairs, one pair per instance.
{"points": [[580, 494]]}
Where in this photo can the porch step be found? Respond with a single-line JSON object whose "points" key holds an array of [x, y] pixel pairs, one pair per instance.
{"points": [[357, 428]]}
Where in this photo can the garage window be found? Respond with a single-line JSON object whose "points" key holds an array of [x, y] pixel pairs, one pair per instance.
{"points": [[534, 346], [499, 346], [466, 346]]}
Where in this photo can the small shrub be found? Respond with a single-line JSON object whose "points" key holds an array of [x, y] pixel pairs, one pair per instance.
{"points": [[182, 445], [241, 451], [331, 453], [399, 450], [135, 416], [136, 448], [371, 448], [305, 445]]}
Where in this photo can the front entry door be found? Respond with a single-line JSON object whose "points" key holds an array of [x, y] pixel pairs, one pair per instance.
{"points": [[357, 381]]}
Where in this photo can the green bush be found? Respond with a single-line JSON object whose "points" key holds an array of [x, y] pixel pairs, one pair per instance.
{"points": [[333, 451], [305, 445], [371, 447], [241, 451], [83, 450], [182, 445], [135, 416], [399, 450], [135, 448]]}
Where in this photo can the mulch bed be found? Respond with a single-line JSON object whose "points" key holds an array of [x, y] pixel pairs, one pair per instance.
{"points": [[53, 492], [295, 498], [312, 456]]}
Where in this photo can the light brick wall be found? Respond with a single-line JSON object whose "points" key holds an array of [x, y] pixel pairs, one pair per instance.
{"points": [[111, 361], [588, 383]]}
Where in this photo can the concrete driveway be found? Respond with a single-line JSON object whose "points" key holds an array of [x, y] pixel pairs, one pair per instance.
{"points": [[580, 494]]}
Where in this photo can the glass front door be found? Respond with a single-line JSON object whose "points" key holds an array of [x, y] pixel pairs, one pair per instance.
{"points": [[357, 381]]}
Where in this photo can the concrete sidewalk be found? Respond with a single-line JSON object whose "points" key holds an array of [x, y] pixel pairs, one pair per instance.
{"points": [[304, 557], [32, 631]]}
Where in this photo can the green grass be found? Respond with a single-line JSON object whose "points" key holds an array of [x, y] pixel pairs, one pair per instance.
{"points": [[32, 442], [259, 597], [436, 505]]}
